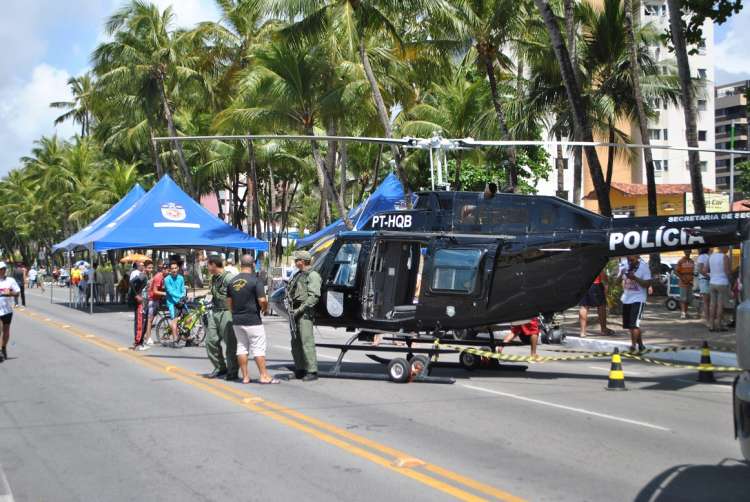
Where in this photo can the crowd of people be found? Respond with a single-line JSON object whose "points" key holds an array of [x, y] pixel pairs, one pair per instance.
{"points": [[234, 331]]}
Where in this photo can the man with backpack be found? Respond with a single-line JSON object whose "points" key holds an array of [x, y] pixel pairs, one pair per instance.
{"points": [[219, 327]]}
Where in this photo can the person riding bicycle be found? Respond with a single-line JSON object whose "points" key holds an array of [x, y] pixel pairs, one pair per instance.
{"points": [[174, 287]]}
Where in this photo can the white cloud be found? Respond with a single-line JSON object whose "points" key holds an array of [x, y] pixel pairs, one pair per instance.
{"points": [[25, 114], [190, 12], [20, 20], [731, 51]]}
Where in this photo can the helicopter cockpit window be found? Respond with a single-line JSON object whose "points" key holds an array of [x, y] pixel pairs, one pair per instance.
{"points": [[456, 270], [344, 271]]}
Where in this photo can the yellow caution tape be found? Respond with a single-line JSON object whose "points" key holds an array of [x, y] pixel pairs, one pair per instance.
{"points": [[699, 367], [645, 351]]}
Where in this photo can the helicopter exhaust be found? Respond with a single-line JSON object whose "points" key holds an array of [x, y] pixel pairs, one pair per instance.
{"points": [[672, 233]]}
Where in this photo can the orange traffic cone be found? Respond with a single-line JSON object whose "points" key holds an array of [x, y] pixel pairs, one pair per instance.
{"points": [[616, 376], [705, 373]]}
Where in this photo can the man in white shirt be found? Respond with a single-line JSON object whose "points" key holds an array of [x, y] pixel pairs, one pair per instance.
{"points": [[8, 289], [636, 279], [719, 272]]}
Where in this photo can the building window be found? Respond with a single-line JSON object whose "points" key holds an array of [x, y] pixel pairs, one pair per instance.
{"points": [[702, 73], [657, 168], [702, 48], [665, 134], [701, 135], [654, 134], [702, 105], [704, 166]]}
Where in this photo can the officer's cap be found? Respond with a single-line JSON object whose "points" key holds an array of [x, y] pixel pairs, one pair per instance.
{"points": [[302, 255]]}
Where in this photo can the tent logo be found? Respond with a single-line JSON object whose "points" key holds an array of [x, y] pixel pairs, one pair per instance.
{"points": [[173, 212]]}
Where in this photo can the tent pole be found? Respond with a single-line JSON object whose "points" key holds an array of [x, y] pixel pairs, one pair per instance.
{"points": [[91, 281], [70, 291]]}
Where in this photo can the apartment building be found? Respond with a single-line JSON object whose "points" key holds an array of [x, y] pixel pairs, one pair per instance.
{"points": [[667, 128], [731, 110]]}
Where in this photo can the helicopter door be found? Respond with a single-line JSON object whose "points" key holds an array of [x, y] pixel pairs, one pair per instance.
{"points": [[454, 281], [341, 299], [392, 281]]}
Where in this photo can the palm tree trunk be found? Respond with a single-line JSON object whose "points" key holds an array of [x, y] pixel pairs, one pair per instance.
{"points": [[344, 160], [177, 144], [252, 190], [688, 103], [560, 164], [610, 155], [512, 172], [573, 90], [155, 154], [570, 33], [327, 187], [635, 68], [385, 121]]}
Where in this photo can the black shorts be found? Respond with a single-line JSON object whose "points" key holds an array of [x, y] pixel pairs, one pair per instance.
{"points": [[631, 315], [6, 319], [594, 297]]}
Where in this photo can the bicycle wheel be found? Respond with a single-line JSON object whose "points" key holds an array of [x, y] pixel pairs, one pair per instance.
{"points": [[163, 331], [198, 333]]}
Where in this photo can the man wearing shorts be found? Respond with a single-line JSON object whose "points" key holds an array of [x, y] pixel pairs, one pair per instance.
{"points": [[246, 298], [595, 297], [9, 288], [636, 279], [701, 270]]}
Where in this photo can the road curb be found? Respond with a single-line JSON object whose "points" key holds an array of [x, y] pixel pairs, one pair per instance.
{"points": [[679, 357]]}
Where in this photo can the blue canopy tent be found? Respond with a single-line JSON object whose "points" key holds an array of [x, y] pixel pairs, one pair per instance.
{"points": [[384, 198], [167, 217], [79, 239]]}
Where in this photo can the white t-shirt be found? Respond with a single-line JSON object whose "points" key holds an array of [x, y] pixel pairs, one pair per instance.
{"points": [[632, 292], [32, 274], [702, 260], [716, 269], [6, 302]]}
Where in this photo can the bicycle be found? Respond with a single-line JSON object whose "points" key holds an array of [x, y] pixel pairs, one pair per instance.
{"points": [[191, 324]]}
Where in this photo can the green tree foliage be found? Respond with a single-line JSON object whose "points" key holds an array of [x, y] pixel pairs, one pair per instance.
{"points": [[475, 68]]}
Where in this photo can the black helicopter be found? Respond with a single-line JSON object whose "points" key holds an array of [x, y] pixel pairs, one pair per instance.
{"points": [[461, 260]]}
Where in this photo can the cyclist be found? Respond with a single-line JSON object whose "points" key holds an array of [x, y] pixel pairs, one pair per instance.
{"points": [[174, 287]]}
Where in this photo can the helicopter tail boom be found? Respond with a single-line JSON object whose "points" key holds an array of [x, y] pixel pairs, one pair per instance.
{"points": [[671, 233]]}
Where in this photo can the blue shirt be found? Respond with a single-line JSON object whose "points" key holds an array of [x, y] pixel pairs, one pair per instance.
{"points": [[175, 288]]}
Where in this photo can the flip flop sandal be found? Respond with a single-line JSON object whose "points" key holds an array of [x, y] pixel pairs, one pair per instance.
{"points": [[272, 381], [608, 332]]}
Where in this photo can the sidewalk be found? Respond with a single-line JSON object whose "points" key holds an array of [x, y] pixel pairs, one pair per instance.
{"points": [[661, 327]]}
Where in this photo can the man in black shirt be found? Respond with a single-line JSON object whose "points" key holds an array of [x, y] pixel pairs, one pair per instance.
{"points": [[246, 298]]}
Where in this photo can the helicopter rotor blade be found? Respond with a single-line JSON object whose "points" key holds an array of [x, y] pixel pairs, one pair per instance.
{"points": [[472, 143], [405, 142]]}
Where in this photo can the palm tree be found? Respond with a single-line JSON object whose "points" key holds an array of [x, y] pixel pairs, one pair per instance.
{"points": [[356, 22], [630, 30], [80, 109], [285, 90], [454, 108], [489, 27], [677, 31], [148, 58], [573, 91]]}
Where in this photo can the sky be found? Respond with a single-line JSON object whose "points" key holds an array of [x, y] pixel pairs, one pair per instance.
{"points": [[45, 42]]}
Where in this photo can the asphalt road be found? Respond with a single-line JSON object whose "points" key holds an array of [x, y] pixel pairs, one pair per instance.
{"points": [[83, 418]]}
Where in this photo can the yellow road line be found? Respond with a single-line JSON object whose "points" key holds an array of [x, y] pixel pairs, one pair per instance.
{"points": [[401, 463]]}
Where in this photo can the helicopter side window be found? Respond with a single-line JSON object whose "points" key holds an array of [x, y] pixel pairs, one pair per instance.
{"points": [[344, 271], [456, 270]]}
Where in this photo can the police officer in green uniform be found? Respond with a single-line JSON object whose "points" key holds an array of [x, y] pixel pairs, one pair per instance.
{"points": [[303, 294], [219, 329]]}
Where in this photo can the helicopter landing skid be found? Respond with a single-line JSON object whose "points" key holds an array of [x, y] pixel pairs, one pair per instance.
{"points": [[493, 364], [400, 370]]}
